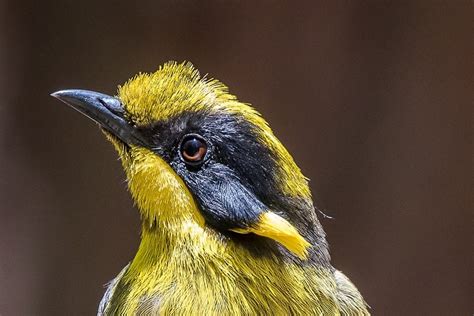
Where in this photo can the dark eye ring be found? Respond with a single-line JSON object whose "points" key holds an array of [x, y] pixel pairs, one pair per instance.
{"points": [[193, 149]]}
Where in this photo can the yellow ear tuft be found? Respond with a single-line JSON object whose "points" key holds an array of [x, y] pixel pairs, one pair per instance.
{"points": [[273, 226]]}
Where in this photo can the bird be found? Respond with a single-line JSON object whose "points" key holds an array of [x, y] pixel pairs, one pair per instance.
{"points": [[228, 225]]}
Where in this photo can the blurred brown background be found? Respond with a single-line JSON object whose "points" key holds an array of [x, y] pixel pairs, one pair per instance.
{"points": [[372, 98]]}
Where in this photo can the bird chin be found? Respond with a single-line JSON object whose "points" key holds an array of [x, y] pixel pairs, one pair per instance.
{"points": [[122, 148]]}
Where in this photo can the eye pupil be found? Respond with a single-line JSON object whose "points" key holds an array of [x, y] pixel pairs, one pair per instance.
{"points": [[193, 149]]}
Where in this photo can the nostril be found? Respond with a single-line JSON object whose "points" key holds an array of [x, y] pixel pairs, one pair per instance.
{"points": [[112, 104]]}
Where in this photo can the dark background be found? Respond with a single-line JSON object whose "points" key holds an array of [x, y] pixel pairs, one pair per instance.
{"points": [[372, 99]]}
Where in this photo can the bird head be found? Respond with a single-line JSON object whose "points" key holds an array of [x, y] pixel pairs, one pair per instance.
{"points": [[194, 155]]}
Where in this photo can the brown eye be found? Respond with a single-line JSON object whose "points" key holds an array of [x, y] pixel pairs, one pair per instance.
{"points": [[193, 149]]}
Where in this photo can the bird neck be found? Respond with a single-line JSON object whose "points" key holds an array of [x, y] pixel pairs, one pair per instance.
{"points": [[191, 268], [166, 241]]}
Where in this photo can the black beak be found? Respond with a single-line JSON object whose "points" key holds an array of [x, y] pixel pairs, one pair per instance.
{"points": [[105, 110]]}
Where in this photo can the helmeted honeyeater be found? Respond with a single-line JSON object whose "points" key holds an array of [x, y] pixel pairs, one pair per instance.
{"points": [[228, 223]]}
